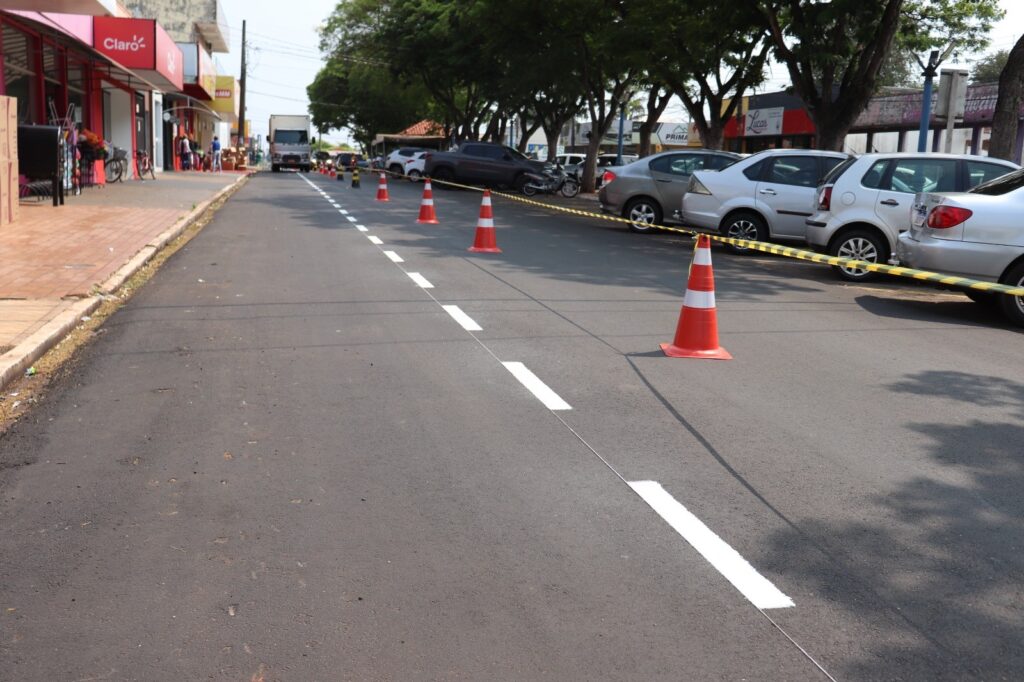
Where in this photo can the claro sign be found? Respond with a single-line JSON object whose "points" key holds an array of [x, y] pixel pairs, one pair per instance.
{"points": [[142, 46]]}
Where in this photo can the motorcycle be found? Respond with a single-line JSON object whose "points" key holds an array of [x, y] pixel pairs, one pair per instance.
{"points": [[552, 181]]}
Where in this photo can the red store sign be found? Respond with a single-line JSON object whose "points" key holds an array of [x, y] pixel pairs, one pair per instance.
{"points": [[143, 46]]}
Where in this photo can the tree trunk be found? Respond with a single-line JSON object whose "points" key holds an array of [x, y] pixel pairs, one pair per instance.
{"points": [[590, 164], [644, 147], [1006, 118], [712, 135], [656, 106], [552, 137]]}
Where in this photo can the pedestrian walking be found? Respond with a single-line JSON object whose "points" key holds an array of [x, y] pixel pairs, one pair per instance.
{"points": [[216, 153]]}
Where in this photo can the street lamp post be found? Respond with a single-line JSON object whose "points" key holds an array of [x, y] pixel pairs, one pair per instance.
{"points": [[622, 125], [926, 103]]}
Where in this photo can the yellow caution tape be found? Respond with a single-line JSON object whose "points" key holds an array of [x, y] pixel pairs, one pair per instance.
{"points": [[766, 247]]}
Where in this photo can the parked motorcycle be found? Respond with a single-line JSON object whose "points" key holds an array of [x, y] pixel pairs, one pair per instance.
{"points": [[553, 181]]}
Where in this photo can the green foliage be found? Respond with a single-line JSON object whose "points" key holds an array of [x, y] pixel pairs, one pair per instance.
{"points": [[988, 68]]}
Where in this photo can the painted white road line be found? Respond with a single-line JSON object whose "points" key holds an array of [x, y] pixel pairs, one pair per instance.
{"points": [[467, 322], [744, 577], [344, 212], [420, 280], [350, 219], [375, 240], [395, 258], [362, 228], [537, 387]]}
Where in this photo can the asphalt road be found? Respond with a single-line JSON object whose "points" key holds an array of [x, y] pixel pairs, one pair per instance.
{"points": [[285, 460]]}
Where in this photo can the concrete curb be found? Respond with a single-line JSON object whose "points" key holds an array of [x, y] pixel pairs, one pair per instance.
{"points": [[14, 362]]}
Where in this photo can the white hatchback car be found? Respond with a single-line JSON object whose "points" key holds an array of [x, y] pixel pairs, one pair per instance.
{"points": [[414, 166], [865, 203], [765, 196]]}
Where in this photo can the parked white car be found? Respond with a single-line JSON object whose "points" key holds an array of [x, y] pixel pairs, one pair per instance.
{"points": [[863, 205], [414, 166], [395, 162], [766, 196], [976, 234]]}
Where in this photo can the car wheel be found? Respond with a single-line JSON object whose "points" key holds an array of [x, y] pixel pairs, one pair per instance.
{"points": [[859, 245], [415, 175], [395, 169], [274, 168], [744, 225], [443, 177], [643, 214], [1013, 306]]}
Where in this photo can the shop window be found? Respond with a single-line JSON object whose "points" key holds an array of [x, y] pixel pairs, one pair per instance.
{"points": [[19, 72]]}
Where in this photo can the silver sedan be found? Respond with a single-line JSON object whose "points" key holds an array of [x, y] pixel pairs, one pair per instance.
{"points": [[648, 191], [976, 234]]}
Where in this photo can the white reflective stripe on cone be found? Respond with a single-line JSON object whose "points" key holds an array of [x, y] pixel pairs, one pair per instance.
{"points": [[428, 202], [702, 257], [699, 299], [486, 201], [486, 222]]}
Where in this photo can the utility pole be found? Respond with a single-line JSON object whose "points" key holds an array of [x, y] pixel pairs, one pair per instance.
{"points": [[241, 99]]}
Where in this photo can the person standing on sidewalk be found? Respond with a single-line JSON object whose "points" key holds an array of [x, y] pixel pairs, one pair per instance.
{"points": [[215, 149], [185, 151]]}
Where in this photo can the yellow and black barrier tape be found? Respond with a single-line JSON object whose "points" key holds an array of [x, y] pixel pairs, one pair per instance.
{"points": [[765, 247]]}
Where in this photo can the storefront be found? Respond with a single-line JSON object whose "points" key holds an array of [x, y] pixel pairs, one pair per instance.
{"points": [[775, 120], [190, 113], [142, 46], [94, 75]]}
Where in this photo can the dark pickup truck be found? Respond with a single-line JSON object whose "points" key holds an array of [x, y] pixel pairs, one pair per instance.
{"points": [[481, 163]]}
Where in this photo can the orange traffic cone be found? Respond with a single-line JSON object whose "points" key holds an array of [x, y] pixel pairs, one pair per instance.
{"points": [[334, 173], [382, 189], [697, 330], [485, 241], [427, 214]]}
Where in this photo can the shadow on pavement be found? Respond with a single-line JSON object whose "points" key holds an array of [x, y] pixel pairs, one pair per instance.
{"points": [[948, 562]]}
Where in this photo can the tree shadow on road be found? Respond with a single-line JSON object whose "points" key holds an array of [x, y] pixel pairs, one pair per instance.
{"points": [[941, 580]]}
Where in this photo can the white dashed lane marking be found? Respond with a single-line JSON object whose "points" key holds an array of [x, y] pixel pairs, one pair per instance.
{"points": [[350, 219], [751, 584], [467, 322], [537, 387], [395, 258], [420, 280], [375, 240], [362, 228]]}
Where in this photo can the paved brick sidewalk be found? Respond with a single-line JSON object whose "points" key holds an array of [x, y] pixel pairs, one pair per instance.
{"points": [[52, 260]]}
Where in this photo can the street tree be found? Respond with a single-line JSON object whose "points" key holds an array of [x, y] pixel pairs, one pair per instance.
{"points": [[990, 67], [835, 51], [1006, 119], [658, 98], [710, 55]]}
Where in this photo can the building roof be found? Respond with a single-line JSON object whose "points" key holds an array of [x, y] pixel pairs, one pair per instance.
{"points": [[426, 127]]}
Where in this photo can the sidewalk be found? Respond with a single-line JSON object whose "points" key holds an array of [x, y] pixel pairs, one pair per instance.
{"points": [[55, 261]]}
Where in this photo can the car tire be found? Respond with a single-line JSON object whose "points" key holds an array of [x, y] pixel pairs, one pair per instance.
{"points": [[643, 214], [1013, 306], [415, 175], [443, 176], [395, 169], [744, 225], [274, 168], [861, 245]]}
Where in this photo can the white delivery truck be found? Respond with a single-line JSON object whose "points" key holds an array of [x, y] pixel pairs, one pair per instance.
{"points": [[289, 142]]}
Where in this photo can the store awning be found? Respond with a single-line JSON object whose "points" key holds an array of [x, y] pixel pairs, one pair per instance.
{"points": [[200, 74], [98, 8], [143, 46], [66, 30]]}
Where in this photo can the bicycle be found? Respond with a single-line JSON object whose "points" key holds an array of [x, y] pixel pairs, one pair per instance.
{"points": [[116, 166], [145, 165]]}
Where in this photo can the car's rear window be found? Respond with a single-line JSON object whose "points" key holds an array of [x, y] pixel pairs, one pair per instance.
{"points": [[1001, 185], [837, 170], [754, 172]]}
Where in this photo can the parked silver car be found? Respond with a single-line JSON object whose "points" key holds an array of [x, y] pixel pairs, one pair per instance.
{"points": [[977, 234], [864, 204], [647, 191], [765, 196]]}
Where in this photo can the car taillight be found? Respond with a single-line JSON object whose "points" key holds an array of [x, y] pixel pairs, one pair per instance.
{"points": [[943, 217], [607, 177], [825, 199], [697, 187]]}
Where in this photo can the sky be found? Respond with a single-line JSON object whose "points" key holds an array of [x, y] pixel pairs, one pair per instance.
{"points": [[284, 55]]}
